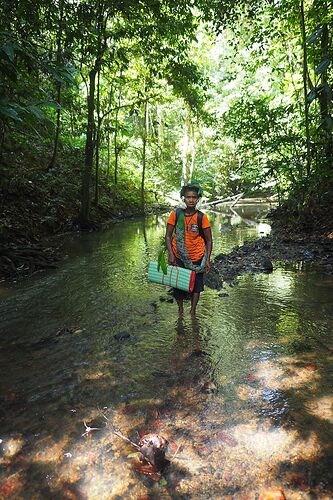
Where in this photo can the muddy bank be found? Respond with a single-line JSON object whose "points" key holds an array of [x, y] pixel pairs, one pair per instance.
{"points": [[284, 244]]}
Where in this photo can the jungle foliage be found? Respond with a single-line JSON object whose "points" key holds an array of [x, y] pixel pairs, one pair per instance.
{"points": [[106, 105]]}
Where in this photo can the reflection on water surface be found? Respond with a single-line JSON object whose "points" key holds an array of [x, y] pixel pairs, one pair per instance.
{"points": [[243, 393]]}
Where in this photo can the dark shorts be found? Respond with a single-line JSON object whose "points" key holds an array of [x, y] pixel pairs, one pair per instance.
{"points": [[198, 285]]}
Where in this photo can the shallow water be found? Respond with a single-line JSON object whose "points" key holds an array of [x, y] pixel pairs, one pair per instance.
{"points": [[243, 393]]}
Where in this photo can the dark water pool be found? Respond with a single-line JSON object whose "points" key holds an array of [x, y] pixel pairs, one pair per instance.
{"points": [[243, 393]]}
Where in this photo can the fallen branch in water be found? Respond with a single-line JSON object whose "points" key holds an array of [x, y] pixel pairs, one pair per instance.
{"points": [[119, 434], [152, 448]]}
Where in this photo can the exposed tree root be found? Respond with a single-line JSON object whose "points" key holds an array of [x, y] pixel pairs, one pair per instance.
{"points": [[25, 260]]}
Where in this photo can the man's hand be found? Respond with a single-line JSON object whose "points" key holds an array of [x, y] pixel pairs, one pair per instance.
{"points": [[207, 266], [171, 259]]}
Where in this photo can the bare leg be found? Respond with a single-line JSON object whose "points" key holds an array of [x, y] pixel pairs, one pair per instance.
{"points": [[180, 306], [194, 300]]}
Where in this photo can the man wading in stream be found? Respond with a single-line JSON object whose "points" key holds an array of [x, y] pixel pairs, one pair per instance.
{"points": [[191, 245]]}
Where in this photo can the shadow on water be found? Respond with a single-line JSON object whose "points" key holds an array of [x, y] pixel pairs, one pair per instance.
{"points": [[243, 393]]}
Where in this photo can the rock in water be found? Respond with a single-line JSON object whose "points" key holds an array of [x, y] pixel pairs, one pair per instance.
{"points": [[266, 264], [122, 336], [153, 448]]}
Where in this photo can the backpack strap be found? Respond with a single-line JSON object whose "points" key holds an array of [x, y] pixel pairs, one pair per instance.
{"points": [[201, 231], [200, 216], [178, 211]]}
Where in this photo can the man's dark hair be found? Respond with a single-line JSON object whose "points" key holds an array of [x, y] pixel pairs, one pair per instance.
{"points": [[194, 186]]}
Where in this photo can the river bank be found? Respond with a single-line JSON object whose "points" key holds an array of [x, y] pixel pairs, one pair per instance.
{"points": [[39, 249], [291, 240], [38, 203]]}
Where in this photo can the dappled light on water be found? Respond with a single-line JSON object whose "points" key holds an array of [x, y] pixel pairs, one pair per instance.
{"points": [[242, 393]]}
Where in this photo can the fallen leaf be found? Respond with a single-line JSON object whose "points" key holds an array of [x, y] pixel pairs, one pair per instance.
{"points": [[272, 495], [251, 378], [92, 457], [155, 413], [172, 447], [147, 470], [227, 439], [11, 396], [311, 367], [128, 409]]}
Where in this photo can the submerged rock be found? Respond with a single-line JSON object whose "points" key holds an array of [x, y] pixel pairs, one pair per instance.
{"points": [[266, 264], [122, 335]]}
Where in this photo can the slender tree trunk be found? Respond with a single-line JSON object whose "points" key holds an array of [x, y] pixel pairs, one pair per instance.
{"points": [[324, 101], [188, 152], [2, 137], [185, 154], [144, 148], [192, 150], [98, 138], [115, 149], [109, 156], [108, 139], [305, 91], [89, 150], [115, 142], [58, 87]]}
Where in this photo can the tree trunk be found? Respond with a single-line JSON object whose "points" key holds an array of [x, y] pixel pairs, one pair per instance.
{"points": [[188, 152], [58, 87], [89, 151], [192, 149], [115, 142], [324, 102], [2, 137], [57, 130], [109, 139], [144, 148], [109, 156], [305, 91], [98, 138]]}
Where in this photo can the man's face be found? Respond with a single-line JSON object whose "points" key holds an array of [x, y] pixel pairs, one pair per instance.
{"points": [[191, 198]]}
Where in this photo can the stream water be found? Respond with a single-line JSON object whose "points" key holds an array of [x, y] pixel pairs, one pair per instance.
{"points": [[243, 393]]}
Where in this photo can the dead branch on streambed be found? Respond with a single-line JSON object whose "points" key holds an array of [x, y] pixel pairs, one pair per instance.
{"points": [[151, 450]]}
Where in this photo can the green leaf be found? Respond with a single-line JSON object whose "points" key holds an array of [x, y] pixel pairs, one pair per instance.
{"points": [[8, 49], [312, 95], [322, 66], [161, 262], [9, 112], [311, 38], [52, 104], [35, 111]]}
